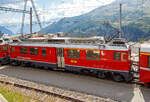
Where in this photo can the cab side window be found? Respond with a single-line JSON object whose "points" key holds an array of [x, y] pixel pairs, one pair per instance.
{"points": [[117, 56], [149, 61]]}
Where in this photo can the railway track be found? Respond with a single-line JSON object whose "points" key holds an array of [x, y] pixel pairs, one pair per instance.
{"points": [[60, 93], [79, 83], [42, 91]]}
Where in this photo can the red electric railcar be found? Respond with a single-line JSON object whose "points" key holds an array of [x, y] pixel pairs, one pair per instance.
{"points": [[101, 59], [145, 63], [4, 52]]}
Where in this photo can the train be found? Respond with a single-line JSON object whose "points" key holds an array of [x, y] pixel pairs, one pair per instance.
{"points": [[145, 63], [93, 55]]}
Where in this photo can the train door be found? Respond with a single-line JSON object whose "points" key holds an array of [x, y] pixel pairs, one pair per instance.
{"points": [[60, 58], [135, 57]]}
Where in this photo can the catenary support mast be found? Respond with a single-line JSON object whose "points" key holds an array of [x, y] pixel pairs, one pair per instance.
{"points": [[30, 20], [120, 21]]}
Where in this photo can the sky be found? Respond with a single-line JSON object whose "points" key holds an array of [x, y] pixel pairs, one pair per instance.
{"points": [[49, 10]]}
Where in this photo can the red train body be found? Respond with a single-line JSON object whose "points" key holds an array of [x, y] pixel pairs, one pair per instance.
{"points": [[4, 52], [111, 59], [98, 59], [145, 63]]}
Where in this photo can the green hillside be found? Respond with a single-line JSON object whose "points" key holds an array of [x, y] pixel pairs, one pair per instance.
{"points": [[136, 21]]}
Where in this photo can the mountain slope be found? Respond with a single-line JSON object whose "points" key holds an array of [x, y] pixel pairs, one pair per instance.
{"points": [[5, 31], [136, 21]]}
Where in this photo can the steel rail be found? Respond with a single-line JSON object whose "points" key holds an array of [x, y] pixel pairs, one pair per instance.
{"points": [[42, 91]]}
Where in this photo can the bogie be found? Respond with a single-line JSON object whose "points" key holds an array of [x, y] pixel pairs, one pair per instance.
{"points": [[15, 63], [101, 74], [118, 77]]}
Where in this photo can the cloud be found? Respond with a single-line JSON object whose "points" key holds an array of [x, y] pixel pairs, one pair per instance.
{"points": [[74, 8], [14, 17], [53, 11], [6, 2]]}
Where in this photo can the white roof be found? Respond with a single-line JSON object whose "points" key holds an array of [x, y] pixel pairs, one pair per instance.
{"points": [[103, 47], [145, 47]]}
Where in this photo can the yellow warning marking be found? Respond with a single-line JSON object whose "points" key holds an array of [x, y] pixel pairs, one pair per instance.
{"points": [[143, 53], [73, 61]]}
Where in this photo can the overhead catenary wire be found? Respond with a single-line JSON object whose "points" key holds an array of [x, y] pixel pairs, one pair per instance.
{"points": [[39, 11]]}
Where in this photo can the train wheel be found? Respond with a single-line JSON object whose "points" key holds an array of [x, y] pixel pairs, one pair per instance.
{"points": [[147, 85], [101, 75], [14, 63], [23, 64], [118, 78], [45, 67]]}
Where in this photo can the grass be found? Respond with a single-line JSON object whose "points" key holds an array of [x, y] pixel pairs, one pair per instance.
{"points": [[14, 97]]}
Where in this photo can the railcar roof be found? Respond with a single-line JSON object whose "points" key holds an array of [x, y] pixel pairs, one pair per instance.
{"points": [[104, 46], [145, 47]]}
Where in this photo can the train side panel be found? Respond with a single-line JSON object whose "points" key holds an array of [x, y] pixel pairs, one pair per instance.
{"points": [[38, 55], [94, 60], [105, 60], [97, 60], [4, 54], [145, 67]]}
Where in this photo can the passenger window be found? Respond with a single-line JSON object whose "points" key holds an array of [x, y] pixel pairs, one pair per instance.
{"points": [[124, 56], [117, 56], [23, 50], [73, 54], [34, 51], [5, 47], [12, 49], [92, 55], [149, 61], [43, 51]]}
